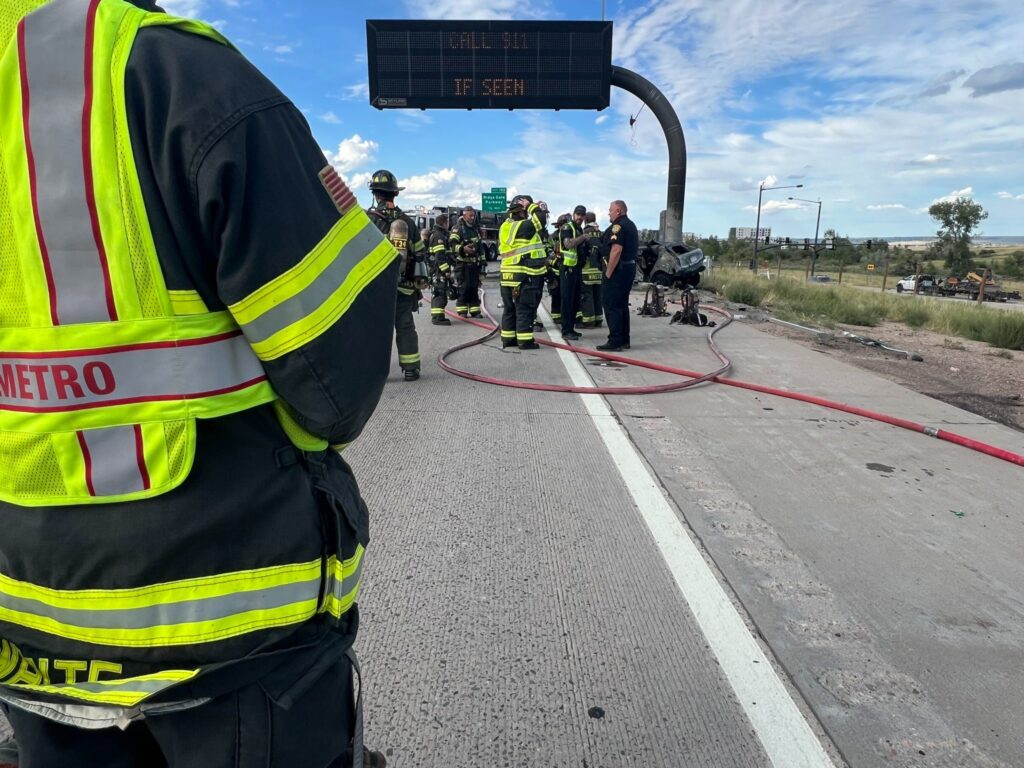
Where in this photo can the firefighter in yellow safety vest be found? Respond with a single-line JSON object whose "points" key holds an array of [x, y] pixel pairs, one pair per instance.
{"points": [[193, 311], [523, 267]]}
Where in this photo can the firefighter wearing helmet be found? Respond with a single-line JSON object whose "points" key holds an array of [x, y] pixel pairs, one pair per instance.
{"points": [[441, 262], [412, 272], [470, 262], [523, 267]]}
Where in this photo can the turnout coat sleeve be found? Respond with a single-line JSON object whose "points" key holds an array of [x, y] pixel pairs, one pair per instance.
{"points": [[240, 201]]}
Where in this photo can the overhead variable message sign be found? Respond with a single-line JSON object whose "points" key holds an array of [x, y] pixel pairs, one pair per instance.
{"points": [[489, 64]]}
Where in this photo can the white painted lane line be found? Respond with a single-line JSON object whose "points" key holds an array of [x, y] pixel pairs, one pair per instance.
{"points": [[785, 734]]}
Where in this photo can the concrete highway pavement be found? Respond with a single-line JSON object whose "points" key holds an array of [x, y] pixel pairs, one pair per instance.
{"points": [[515, 582]]}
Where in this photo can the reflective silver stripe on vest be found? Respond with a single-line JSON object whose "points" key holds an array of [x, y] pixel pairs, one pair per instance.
{"points": [[113, 465], [172, 614], [523, 249], [310, 298], [52, 382], [55, 56]]}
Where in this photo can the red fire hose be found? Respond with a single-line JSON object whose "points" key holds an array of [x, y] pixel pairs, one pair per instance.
{"points": [[693, 378]]}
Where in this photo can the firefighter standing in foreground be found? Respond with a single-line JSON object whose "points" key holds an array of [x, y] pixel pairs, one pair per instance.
{"points": [[440, 259], [406, 238], [523, 266], [197, 307], [470, 262]]}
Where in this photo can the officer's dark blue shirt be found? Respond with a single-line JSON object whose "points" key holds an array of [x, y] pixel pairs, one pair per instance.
{"points": [[622, 232]]}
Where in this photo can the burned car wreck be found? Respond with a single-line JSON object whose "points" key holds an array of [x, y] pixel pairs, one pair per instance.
{"points": [[674, 266]]}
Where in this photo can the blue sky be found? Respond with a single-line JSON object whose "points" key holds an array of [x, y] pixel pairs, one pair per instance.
{"points": [[878, 107]]}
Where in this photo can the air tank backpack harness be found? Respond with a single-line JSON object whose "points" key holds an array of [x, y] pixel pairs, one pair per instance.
{"points": [[104, 371]]}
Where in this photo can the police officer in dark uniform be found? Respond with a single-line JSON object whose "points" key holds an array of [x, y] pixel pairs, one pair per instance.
{"points": [[470, 262], [405, 236], [441, 262], [620, 243]]}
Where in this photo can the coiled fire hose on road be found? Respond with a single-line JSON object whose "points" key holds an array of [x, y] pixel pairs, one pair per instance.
{"points": [[692, 379]]}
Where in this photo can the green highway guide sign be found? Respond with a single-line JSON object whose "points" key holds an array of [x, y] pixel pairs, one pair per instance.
{"points": [[494, 201]]}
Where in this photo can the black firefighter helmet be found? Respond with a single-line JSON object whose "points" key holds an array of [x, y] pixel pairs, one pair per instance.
{"points": [[384, 181], [520, 203]]}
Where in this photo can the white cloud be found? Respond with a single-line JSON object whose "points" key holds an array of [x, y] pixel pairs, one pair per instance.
{"points": [[887, 207], [1009, 196], [356, 91], [601, 119], [278, 48], [441, 187], [736, 140], [954, 195], [929, 159], [330, 117], [774, 206], [352, 153]]}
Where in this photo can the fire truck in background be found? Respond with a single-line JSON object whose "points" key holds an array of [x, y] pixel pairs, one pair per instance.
{"points": [[489, 224]]}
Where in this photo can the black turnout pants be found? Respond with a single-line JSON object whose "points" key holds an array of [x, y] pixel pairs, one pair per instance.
{"points": [[518, 313], [243, 729], [406, 338], [469, 287]]}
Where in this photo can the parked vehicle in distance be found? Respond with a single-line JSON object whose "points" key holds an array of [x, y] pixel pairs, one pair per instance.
{"points": [[819, 279], [907, 283]]}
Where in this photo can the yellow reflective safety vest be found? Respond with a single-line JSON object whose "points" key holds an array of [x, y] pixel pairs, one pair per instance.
{"points": [[569, 255], [104, 371], [520, 256]]}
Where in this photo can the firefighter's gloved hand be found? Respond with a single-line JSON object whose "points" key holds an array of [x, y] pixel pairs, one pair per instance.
{"points": [[515, 293]]}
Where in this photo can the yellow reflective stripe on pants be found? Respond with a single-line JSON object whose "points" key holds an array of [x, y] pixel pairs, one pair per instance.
{"points": [[409, 359], [127, 692], [344, 579], [296, 307], [174, 613]]}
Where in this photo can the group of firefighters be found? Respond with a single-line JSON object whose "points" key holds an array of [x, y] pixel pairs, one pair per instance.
{"points": [[577, 262]]}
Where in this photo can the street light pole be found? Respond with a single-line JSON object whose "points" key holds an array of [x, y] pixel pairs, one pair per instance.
{"points": [[757, 228], [761, 189], [817, 225]]}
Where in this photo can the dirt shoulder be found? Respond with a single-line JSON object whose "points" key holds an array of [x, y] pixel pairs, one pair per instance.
{"points": [[968, 374]]}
